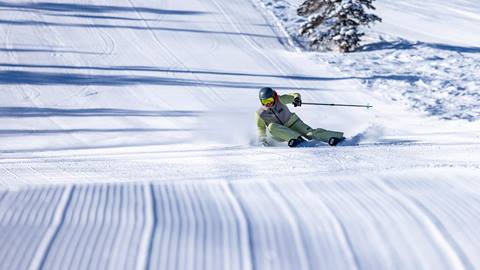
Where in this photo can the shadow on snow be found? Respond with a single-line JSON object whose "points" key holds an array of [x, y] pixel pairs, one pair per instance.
{"points": [[14, 77], [171, 70], [14, 132], [40, 50], [407, 45], [130, 27], [87, 8], [93, 112]]}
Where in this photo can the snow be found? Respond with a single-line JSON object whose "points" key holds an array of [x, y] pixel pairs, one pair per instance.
{"points": [[416, 56], [127, 138]]}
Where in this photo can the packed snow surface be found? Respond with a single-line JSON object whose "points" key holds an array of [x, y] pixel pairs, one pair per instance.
{"points": [[127, 138]]}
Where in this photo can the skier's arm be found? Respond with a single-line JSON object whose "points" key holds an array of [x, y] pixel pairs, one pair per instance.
{"points": [[261, 127], [288, 98]]}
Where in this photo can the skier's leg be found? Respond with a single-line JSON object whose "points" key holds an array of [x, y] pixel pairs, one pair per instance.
{"points": [[324, 135], [282, 133], [320, 134], [298, 125]]}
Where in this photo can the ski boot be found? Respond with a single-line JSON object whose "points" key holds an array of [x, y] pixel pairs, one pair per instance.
{"points": [[295, 142], [334, 141]]}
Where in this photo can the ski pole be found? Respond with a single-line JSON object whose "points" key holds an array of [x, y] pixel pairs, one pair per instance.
{"points": [[334, 104]]}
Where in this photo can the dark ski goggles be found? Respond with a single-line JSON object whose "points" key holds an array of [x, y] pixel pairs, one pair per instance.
{"points": [[266, 101]]}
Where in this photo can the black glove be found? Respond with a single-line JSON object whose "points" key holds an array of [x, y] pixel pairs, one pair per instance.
{"points": [[297, 102]]}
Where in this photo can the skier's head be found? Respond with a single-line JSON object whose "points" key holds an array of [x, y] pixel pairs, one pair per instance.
{"points": [[267, 96]]}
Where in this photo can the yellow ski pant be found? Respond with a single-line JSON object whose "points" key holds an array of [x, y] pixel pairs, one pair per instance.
{"points": [[295, 127]]}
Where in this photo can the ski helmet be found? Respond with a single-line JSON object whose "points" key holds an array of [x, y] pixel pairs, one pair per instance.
{"points": [[267, 95], [265, 92]]}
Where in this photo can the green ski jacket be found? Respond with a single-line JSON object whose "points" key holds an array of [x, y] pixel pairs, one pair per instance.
{"points": [[279, 113]]}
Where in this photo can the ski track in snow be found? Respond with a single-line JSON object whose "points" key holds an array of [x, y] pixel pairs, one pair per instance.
{"points": [[379, 214], [246, 225], [106, 163]]}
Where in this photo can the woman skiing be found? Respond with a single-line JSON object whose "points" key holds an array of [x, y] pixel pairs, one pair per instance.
{"points": [[284, 125]]}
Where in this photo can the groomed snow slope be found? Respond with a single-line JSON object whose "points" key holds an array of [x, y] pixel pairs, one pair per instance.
{"points": [[126, 142]]}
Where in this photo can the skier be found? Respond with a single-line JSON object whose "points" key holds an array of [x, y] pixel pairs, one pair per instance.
{"points": [[284, 125]]}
